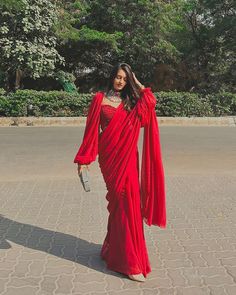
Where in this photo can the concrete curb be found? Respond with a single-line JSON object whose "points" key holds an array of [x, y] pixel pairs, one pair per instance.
{"points": [[80, 121]]}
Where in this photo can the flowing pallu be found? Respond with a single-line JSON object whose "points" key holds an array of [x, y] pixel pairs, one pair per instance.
{"points": [[129, 200]]}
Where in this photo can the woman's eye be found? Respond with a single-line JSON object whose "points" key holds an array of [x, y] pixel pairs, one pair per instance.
{"points": [[119, 78]]}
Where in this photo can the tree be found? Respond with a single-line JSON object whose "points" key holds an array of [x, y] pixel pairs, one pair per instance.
{"points": [[28, 41], [87, 50], [144, 42], [208, 43], [105, 32]]}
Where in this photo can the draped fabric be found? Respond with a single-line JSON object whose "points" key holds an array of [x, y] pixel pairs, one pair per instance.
{"points": [[129, 200], [88, 150], [152, 171]]}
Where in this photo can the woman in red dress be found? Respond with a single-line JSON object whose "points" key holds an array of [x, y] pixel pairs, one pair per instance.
{"points": [[134, 195]]}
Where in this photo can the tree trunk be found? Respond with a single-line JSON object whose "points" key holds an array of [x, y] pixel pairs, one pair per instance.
{"points": [[19, 75], [7, 82]]}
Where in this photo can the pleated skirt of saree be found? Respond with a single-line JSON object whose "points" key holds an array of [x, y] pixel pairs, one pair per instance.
{"points": [[124, 248]]}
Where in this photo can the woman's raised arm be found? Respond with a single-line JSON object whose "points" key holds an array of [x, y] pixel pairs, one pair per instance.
{"points": [[145, 105]]}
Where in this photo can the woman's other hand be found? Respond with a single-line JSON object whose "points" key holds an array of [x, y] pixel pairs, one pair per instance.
{"points": [[137, 82], [80, 167]]}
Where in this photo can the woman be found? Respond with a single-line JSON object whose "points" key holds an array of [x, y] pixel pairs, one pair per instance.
{"points": [[120, 112]]}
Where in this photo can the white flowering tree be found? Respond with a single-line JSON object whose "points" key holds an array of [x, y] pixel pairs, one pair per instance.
{"points": [[28, 41]]}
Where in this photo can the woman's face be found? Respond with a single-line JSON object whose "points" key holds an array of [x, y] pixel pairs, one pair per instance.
{"points": [[120, 80]]}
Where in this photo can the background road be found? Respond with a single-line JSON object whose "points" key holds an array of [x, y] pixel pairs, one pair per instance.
{"points": [[42, 152]]}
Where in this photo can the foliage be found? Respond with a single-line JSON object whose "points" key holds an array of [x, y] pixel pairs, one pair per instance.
{"points": [[66, 80], [27, 39], [101, 33], [87, 50], [222, 103], [183, 104], [61, 103], [12, 4], [171, 45], [64, 76], [208, 44], [46, 104]]}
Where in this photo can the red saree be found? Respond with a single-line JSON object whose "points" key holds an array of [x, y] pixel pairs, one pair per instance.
{"points": [[129, 201]]}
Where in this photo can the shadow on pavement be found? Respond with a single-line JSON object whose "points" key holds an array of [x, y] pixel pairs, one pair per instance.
{"points": [[62, 245]]}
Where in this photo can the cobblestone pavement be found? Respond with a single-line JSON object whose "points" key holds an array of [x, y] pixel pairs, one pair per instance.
{"points": [[51, 231]]}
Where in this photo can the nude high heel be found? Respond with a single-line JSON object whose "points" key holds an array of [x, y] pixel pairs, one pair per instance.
{"points": [[137, 277]]}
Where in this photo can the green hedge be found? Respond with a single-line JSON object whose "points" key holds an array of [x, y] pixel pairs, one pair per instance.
{"points": [[45, 104], [182, 104], [63, 104]]}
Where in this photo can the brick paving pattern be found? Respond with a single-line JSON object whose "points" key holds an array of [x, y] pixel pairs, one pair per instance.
{"points": [[51, 231]]}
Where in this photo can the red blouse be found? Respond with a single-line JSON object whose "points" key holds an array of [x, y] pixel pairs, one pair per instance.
{"points": [[107, 112]]}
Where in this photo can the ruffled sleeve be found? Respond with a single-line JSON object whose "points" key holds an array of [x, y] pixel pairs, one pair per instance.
{"points": [[153, 197], [88, 149], [145, 104]]}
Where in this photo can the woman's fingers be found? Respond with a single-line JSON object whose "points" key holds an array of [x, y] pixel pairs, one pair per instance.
{"points": [[80, 167], [135, 79]]}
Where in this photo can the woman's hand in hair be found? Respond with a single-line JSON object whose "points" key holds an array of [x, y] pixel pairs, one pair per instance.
{"points": [[137, 82]]}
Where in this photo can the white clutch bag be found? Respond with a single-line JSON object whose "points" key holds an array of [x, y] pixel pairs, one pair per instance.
{"points": [[84, 178]]}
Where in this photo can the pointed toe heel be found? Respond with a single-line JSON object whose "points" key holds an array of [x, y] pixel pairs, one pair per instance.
{"points": [[137, 277]]}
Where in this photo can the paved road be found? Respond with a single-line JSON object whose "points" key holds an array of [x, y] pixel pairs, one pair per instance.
{"points": [[51, 231]]}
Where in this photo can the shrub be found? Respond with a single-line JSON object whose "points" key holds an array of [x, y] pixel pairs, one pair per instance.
{"points": [[46, 104], [223, 103], [182, 104], [61, 103]]}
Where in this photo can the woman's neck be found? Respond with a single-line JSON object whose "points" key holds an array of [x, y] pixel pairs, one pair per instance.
{"points": [[115, 92], [114, 95]]}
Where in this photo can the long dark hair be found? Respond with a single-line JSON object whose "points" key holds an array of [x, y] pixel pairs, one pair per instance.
{"points": [[131, 92]]}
